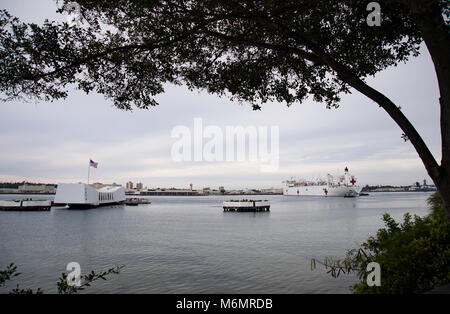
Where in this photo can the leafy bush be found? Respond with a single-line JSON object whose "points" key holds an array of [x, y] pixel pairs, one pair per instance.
{"points": [[63, 287], [414, 255]]}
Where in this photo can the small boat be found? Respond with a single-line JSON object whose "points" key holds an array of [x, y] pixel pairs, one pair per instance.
{"points": [[136, 201], [351, 194], [144, 201], [26, 205], [246, 206], [131, 202]]}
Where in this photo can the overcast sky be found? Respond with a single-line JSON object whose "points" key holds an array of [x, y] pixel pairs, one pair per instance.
{"points": [[52, 142]]}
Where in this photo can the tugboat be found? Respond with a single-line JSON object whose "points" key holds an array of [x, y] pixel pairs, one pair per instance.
{"points": [[132, 202], [136, 201]]}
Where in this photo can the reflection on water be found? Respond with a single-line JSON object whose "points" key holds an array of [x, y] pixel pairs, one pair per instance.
{"points": [[189, 245]]}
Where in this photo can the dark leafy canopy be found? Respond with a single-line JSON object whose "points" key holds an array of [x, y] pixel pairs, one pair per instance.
{"points": [[255, 51], [63, 286], [414, 256]]}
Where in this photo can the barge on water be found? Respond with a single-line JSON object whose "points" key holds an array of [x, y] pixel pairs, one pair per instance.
{"points": [[26, 205], [246, 206]]}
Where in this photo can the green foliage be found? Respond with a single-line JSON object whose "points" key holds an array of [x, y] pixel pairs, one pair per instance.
{"points": [[7, 274], [18, 290], [63, 287], [350, 265], [414, 255]]}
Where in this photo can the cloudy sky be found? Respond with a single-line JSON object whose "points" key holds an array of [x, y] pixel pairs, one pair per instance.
{"points": [[52, 142]]}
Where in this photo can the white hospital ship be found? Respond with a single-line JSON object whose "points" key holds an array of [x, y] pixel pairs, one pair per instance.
{"points": [[343, 186], [85, 196]]}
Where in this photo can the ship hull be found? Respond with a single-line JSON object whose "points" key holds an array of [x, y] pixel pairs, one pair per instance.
{"points": [[90, 206], [322, 190]]}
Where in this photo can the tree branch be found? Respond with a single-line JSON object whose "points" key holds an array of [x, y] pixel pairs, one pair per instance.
{"points": [[347, 76], [396, 114], [251, 42], [435, 33]]}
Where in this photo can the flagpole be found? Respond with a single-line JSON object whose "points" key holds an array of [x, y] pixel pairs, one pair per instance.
{"points": [[89, 169]]}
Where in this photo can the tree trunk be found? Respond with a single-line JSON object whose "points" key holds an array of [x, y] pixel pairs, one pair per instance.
{"points": [[444, 190], [435, 33]]}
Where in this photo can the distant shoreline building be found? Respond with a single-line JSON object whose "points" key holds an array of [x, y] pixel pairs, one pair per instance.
{"points": [[98, 185], [129, 185], [41, 189], [416, 187], [169, 192]]}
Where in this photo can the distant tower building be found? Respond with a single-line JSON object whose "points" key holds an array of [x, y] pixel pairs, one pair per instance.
{"points": [[207, 191], [129, 185], [191, 186], [139, 186]]}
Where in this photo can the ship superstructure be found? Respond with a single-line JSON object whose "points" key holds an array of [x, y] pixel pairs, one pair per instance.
{"points": [[343, 186]]}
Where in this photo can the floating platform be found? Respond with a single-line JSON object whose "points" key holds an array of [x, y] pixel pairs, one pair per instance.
{"points": [[26, 205], [246, 206]]}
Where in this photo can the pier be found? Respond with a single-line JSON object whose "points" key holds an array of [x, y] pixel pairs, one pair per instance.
{"points": [[25, 205]]}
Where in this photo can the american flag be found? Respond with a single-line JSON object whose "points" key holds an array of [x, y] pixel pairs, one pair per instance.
{"points": [[93, 163]]}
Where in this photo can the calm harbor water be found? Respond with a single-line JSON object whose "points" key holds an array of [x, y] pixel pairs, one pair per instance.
{"points": [[189, 245]]}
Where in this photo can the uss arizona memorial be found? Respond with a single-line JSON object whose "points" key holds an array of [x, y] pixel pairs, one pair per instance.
{"points": [[83, 195]]}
